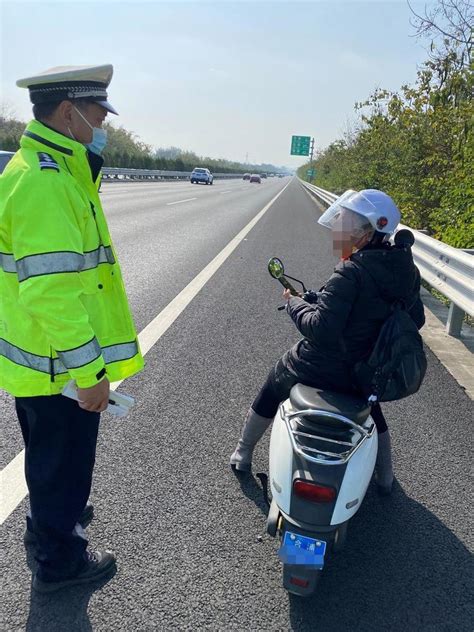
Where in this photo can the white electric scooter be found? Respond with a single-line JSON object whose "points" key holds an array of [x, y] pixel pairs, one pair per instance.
{"points": [[323, 449]]}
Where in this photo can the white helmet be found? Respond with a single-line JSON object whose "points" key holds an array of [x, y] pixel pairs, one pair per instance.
{"points": [[376, 206]]}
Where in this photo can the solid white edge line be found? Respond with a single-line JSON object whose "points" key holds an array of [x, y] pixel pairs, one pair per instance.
{"points": [[12, 486], [12, 481], [180, 201]]}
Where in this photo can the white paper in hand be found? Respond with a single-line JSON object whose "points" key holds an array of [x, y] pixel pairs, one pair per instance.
{"points": [[119, 404]]}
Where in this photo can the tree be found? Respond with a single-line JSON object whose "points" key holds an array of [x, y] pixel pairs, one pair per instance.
{"points": [[449, 26], [417, 143], [126, 149], [11, 129]]}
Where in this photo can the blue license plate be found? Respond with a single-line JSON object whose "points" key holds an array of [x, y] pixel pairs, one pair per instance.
{"points": [[299, 549]]}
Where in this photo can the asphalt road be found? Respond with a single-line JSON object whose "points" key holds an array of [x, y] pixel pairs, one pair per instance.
{"points": [[185, 529]]}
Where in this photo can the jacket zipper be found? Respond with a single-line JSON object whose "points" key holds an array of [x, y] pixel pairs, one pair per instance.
{"points": [[94, 215], [66, 165], [51, 364]]}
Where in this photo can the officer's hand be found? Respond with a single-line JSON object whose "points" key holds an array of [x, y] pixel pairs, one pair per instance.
{"points": [[96, 398]]}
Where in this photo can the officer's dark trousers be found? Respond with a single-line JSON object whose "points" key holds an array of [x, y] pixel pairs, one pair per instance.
{"points": [[60, 443]]}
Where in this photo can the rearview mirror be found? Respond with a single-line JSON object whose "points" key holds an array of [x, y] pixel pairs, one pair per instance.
{"points": [[276, 268]]}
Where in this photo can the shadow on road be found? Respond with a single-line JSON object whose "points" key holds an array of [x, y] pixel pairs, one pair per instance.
{"points": [[401, 570], [252, 489], [65, 610]]}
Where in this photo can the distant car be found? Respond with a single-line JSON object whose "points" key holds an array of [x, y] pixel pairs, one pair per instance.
{"points": [[264, 175], [246, 176], [255, 178], [5, 157], [201, 175]]}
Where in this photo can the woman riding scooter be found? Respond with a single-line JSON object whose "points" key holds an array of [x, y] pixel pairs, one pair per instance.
{"points": [[341, 323]]}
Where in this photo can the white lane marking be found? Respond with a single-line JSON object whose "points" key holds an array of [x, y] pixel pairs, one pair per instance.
{"points": [[229, 191], [154, 330], [181, 201], [12, 486], [145, 187], [12, 482]]}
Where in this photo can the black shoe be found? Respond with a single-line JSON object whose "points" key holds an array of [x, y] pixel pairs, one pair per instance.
{"points": [[98, 565], [29, 538]]}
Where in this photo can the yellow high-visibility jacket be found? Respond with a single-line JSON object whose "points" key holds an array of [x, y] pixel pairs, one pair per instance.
{"points": [[63, 309]]}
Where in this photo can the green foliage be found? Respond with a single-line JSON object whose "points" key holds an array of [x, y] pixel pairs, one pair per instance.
{"points": [[123, 145], [125, 149], [11, 130], [418, 146]]}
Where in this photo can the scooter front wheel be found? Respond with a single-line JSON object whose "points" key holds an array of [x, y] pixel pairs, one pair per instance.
{"points": [[300, 580]]}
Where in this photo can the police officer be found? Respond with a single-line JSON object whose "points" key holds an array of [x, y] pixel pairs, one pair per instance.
{"points": [[63, 315]]}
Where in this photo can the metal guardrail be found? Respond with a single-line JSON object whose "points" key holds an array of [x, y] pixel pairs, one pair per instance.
{"points": [[119, 173], [448, 270]]}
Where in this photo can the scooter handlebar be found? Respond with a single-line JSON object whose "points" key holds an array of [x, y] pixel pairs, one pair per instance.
{"points": [[287, 285]]}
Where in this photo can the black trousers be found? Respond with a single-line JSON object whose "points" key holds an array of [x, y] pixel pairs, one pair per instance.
{"points": [[277, 388], [60, 444]]}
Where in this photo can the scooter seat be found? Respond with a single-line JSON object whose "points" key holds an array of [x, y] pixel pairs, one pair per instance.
{"points": [[305, 397]]}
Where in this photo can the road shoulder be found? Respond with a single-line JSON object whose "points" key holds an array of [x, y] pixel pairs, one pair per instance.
{"points": [[455, 353]]}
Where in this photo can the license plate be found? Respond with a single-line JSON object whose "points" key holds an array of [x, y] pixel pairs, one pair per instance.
{"points": [[299, 549]]}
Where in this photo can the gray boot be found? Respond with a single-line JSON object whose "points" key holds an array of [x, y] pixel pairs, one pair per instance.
{"points": [[254, 428], [383, 464]]}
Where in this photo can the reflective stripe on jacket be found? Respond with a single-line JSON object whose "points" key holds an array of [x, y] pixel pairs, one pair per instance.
{"points": [[63, 309]]}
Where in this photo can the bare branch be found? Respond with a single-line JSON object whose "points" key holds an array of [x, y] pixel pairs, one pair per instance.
{"points": [[465, 20], [450, 21]]}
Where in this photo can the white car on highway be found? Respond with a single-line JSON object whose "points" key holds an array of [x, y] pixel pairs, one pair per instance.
{"points": [[201, 175]]}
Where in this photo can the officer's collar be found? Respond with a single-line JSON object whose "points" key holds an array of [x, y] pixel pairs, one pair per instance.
{"points": [[53, 139]]}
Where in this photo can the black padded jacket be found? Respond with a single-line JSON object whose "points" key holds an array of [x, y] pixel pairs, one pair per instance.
{"points": [[342, 327]]}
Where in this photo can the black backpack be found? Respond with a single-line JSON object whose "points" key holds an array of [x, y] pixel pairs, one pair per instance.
{"points": [[397, 364]]}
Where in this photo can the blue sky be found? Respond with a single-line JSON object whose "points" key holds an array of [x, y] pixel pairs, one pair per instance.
{"points": [[224, 79]]}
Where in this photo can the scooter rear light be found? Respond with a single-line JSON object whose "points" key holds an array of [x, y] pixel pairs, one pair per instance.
{"points": [[314, 492], [298, 581]]}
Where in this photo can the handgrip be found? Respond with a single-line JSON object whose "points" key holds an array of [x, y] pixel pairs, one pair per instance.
{"points": [[287, 285]]}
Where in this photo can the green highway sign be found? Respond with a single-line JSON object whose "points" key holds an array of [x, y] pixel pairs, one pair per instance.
{"points": [[310, 172], [300, 145]]}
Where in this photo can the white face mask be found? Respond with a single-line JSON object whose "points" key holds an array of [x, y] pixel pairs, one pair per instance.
{"points": [[99, 136]]}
